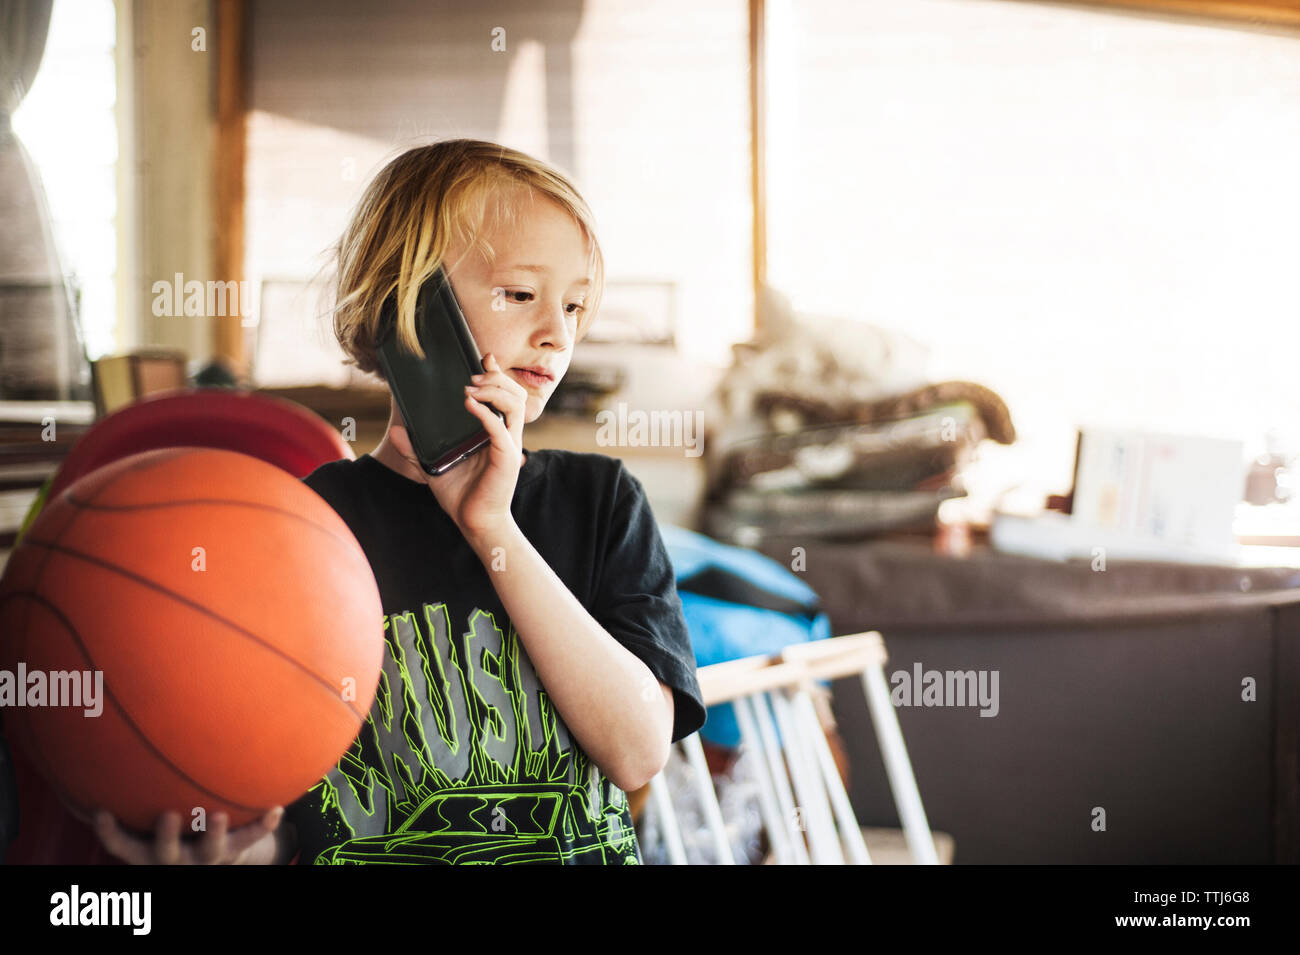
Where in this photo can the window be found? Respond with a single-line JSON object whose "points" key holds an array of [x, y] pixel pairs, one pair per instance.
{"points": [[1093, 213], [645, 106], [67, 123]]}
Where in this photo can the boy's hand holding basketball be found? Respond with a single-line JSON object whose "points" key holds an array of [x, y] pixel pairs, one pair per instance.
{"points": [[254, 844], [476, 494]]}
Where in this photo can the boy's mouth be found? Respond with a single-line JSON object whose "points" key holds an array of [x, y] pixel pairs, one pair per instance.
{"points": [[535, 376]]}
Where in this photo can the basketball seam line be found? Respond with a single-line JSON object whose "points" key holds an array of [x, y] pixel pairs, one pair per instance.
{"points": [[126, 716], [89, 506], [39, 577], [159, 460], [144, 581]]}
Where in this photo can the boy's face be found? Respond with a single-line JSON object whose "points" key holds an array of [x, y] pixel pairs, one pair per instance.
{"points": [[524, 307]]}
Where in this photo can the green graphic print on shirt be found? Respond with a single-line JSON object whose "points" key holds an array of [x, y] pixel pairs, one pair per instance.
{"points": [[463, 760]]}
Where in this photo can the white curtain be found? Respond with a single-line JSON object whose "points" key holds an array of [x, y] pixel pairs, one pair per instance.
{"points": [[42, 355]]}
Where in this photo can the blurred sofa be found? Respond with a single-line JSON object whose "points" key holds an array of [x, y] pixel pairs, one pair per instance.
{"points": [[1119, 690]]}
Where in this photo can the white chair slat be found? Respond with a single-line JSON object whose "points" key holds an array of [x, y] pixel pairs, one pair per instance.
{"points": [[804, 807]]}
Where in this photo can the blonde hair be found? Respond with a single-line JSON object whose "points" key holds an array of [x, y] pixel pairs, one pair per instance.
{"points": [[414, 210]]}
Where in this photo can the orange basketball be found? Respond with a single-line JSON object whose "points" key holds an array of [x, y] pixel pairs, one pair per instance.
{"points": [[232, 619]]}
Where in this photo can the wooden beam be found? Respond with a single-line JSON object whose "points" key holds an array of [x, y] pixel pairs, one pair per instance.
{"points": [[1263, 12], [758, 141], [232, 86]]}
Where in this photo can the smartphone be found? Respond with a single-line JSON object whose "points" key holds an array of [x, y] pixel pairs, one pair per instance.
{"points": [[430, 391]]}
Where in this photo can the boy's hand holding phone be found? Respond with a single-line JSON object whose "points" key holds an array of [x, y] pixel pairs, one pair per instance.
{"points": [[476, 494]]}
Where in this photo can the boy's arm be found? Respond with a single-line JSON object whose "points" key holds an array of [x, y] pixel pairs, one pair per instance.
{"points": [[620, 714], [668, 701]]}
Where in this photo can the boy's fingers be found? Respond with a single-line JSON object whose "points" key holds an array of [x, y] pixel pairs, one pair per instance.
{"points": [[493, 425], [504, 382], [219, 844], [116, 841], [510, 399], [241, 839], [500, 384], [502, 432], [167, 839], [212, 847], [498, 398]]}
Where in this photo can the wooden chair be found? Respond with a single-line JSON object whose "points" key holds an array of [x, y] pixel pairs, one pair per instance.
{"points": [[805, 810]]}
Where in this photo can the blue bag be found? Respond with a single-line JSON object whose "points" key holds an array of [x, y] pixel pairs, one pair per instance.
{"points": [[738, 603]]}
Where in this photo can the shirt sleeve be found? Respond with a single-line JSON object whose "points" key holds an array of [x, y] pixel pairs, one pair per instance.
{"points": [[637, 602]]}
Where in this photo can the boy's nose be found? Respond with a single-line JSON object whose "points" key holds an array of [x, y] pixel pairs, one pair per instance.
{"points": [[556, 325]]}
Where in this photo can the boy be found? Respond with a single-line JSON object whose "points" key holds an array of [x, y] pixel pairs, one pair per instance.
{"points": [[537, 663]]}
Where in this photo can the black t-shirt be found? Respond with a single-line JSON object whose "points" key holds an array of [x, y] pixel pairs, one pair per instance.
{"points": [[463, 758]]}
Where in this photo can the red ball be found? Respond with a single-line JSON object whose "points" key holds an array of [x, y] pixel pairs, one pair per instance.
{"points": [[231, 615]]}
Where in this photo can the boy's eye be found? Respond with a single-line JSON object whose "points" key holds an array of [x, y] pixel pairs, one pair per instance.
{"points": [[522, 297]]}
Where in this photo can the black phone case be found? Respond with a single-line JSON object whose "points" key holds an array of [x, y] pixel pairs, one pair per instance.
{"points": [[430, 391]]}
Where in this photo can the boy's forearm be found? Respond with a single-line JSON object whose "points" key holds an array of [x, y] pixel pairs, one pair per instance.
{"points": [[609, 699]]}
